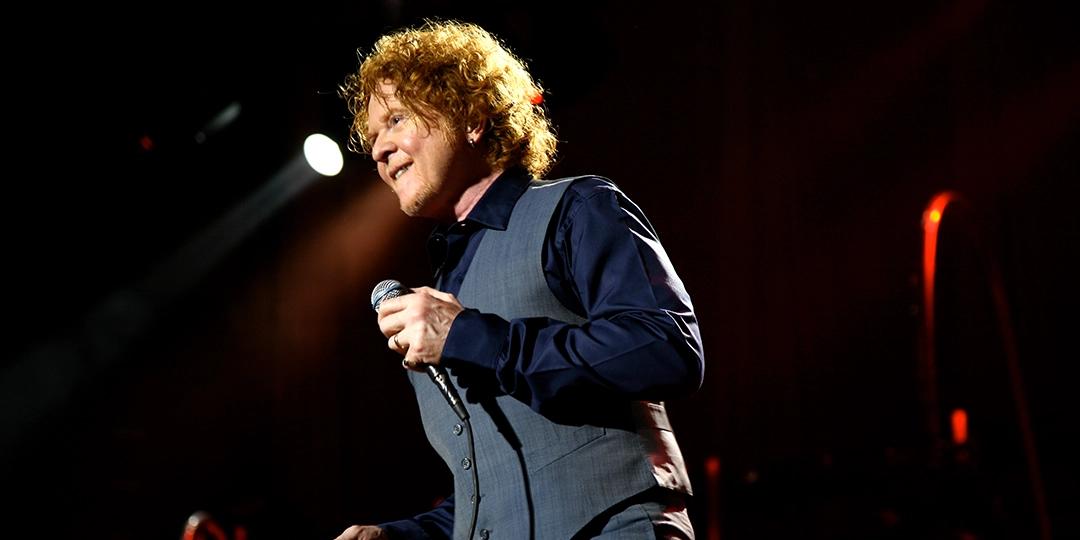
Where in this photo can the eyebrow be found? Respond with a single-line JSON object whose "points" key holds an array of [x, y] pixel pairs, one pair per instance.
{"points": [[388, 111]]}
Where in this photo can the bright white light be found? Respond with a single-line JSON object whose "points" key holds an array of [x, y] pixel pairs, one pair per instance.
{"points": [[323, 154]]}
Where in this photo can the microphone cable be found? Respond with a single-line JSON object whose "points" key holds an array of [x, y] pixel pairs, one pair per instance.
{"points": [[388, 289], [475, 500]]}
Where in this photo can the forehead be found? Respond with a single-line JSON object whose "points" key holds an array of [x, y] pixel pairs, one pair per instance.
{"points": [[383, 99]]}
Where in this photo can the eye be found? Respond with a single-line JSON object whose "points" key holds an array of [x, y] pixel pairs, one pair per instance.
{"points": [[395, 119]]}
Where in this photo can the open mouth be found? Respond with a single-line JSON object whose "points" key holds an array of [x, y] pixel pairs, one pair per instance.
{"points": [[401, 171]]}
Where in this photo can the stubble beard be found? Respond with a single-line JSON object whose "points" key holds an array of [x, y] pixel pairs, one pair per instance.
{"points": [[424, 194]]}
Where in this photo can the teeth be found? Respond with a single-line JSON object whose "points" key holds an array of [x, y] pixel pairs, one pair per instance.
{"points": [[401, 171]]}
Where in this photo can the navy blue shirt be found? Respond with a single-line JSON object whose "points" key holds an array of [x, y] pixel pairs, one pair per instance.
{"points": [[602, 260]]}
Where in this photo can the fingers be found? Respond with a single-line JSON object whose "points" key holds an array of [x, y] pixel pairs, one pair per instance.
{"points": [[444, 296], [398, 303], [416, 325], [352, 533], [392, 344], [397, 313], [393, 313], [366, 532], [391, 305], [412, 365], [400, 344], [391, 323]]}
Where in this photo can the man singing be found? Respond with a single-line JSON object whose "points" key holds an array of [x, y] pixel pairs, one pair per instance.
{"points": [[556, 311]]}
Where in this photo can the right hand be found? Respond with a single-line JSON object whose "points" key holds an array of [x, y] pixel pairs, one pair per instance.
{"points": [[416, 325], [363, 532]]}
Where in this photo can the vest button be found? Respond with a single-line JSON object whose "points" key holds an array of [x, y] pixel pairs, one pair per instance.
{"points": [[457, 429], [466, 464], [485, 534]]}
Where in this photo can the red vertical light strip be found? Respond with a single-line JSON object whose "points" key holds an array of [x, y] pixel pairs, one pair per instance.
{"points": [[712, 477], [931, 222], [959, 426]]}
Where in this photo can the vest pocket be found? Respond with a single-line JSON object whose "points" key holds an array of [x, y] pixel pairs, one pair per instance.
{"points": [[558, 441]]}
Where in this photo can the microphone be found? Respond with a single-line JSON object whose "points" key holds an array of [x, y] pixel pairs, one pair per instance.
{"points": [[392, 288]]}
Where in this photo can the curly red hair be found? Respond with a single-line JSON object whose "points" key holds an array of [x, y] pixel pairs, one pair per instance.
{"points": [[462, 73]]}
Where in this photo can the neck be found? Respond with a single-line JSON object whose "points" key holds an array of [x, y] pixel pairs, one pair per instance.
{"points": [[473, 194]]}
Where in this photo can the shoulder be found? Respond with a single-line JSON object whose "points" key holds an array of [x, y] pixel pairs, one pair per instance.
{"points": [[578, 185], [592, 200], [584, 190], [589, 185], [571, 195]]}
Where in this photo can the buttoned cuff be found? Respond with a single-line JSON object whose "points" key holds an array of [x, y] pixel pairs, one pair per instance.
{"points": [[476, 339]]}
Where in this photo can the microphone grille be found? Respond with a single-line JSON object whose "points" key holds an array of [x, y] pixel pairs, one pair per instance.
{"points": [[387, 288]]}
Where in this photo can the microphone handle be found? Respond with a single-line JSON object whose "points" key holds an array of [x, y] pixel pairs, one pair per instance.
{"points": [[391, 288], [442, 380]]}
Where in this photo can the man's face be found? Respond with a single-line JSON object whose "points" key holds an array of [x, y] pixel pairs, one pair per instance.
{"points": [[422, 162]]}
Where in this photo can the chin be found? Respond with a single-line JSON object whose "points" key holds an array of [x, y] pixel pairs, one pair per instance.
{"points": [[414, 207], [418, 205], [407, 207]]}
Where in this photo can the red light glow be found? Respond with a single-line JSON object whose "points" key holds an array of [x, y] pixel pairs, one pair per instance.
{"points": [[959, 426], [931, 220]]}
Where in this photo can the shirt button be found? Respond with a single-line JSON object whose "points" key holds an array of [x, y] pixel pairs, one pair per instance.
{"points": [[466, 464], [485, 534], [457, 429]]}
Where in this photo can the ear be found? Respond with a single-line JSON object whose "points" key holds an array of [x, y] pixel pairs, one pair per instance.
{"points": [[474, 133]]}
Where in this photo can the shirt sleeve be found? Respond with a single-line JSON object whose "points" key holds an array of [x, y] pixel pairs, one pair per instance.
{"points": [[603, 260], [436, 524]]}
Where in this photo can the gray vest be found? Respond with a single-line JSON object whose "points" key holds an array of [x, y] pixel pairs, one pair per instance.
{"points": [[540, 478]]}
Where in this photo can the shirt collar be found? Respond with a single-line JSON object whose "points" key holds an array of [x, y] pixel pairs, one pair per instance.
{"points": [[492, 211], [495, 205]]}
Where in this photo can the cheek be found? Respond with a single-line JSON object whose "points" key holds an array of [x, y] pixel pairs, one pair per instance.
{"points": [[411, 145]]}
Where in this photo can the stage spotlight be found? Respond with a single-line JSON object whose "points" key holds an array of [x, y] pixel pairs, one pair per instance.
{"points": [[323, 154], [45, 374]]}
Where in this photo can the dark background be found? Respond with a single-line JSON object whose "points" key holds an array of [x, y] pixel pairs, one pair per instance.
{"points": [[784, 151]]}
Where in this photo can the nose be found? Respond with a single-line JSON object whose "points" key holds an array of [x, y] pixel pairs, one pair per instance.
{"points": [[382, 148]]}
